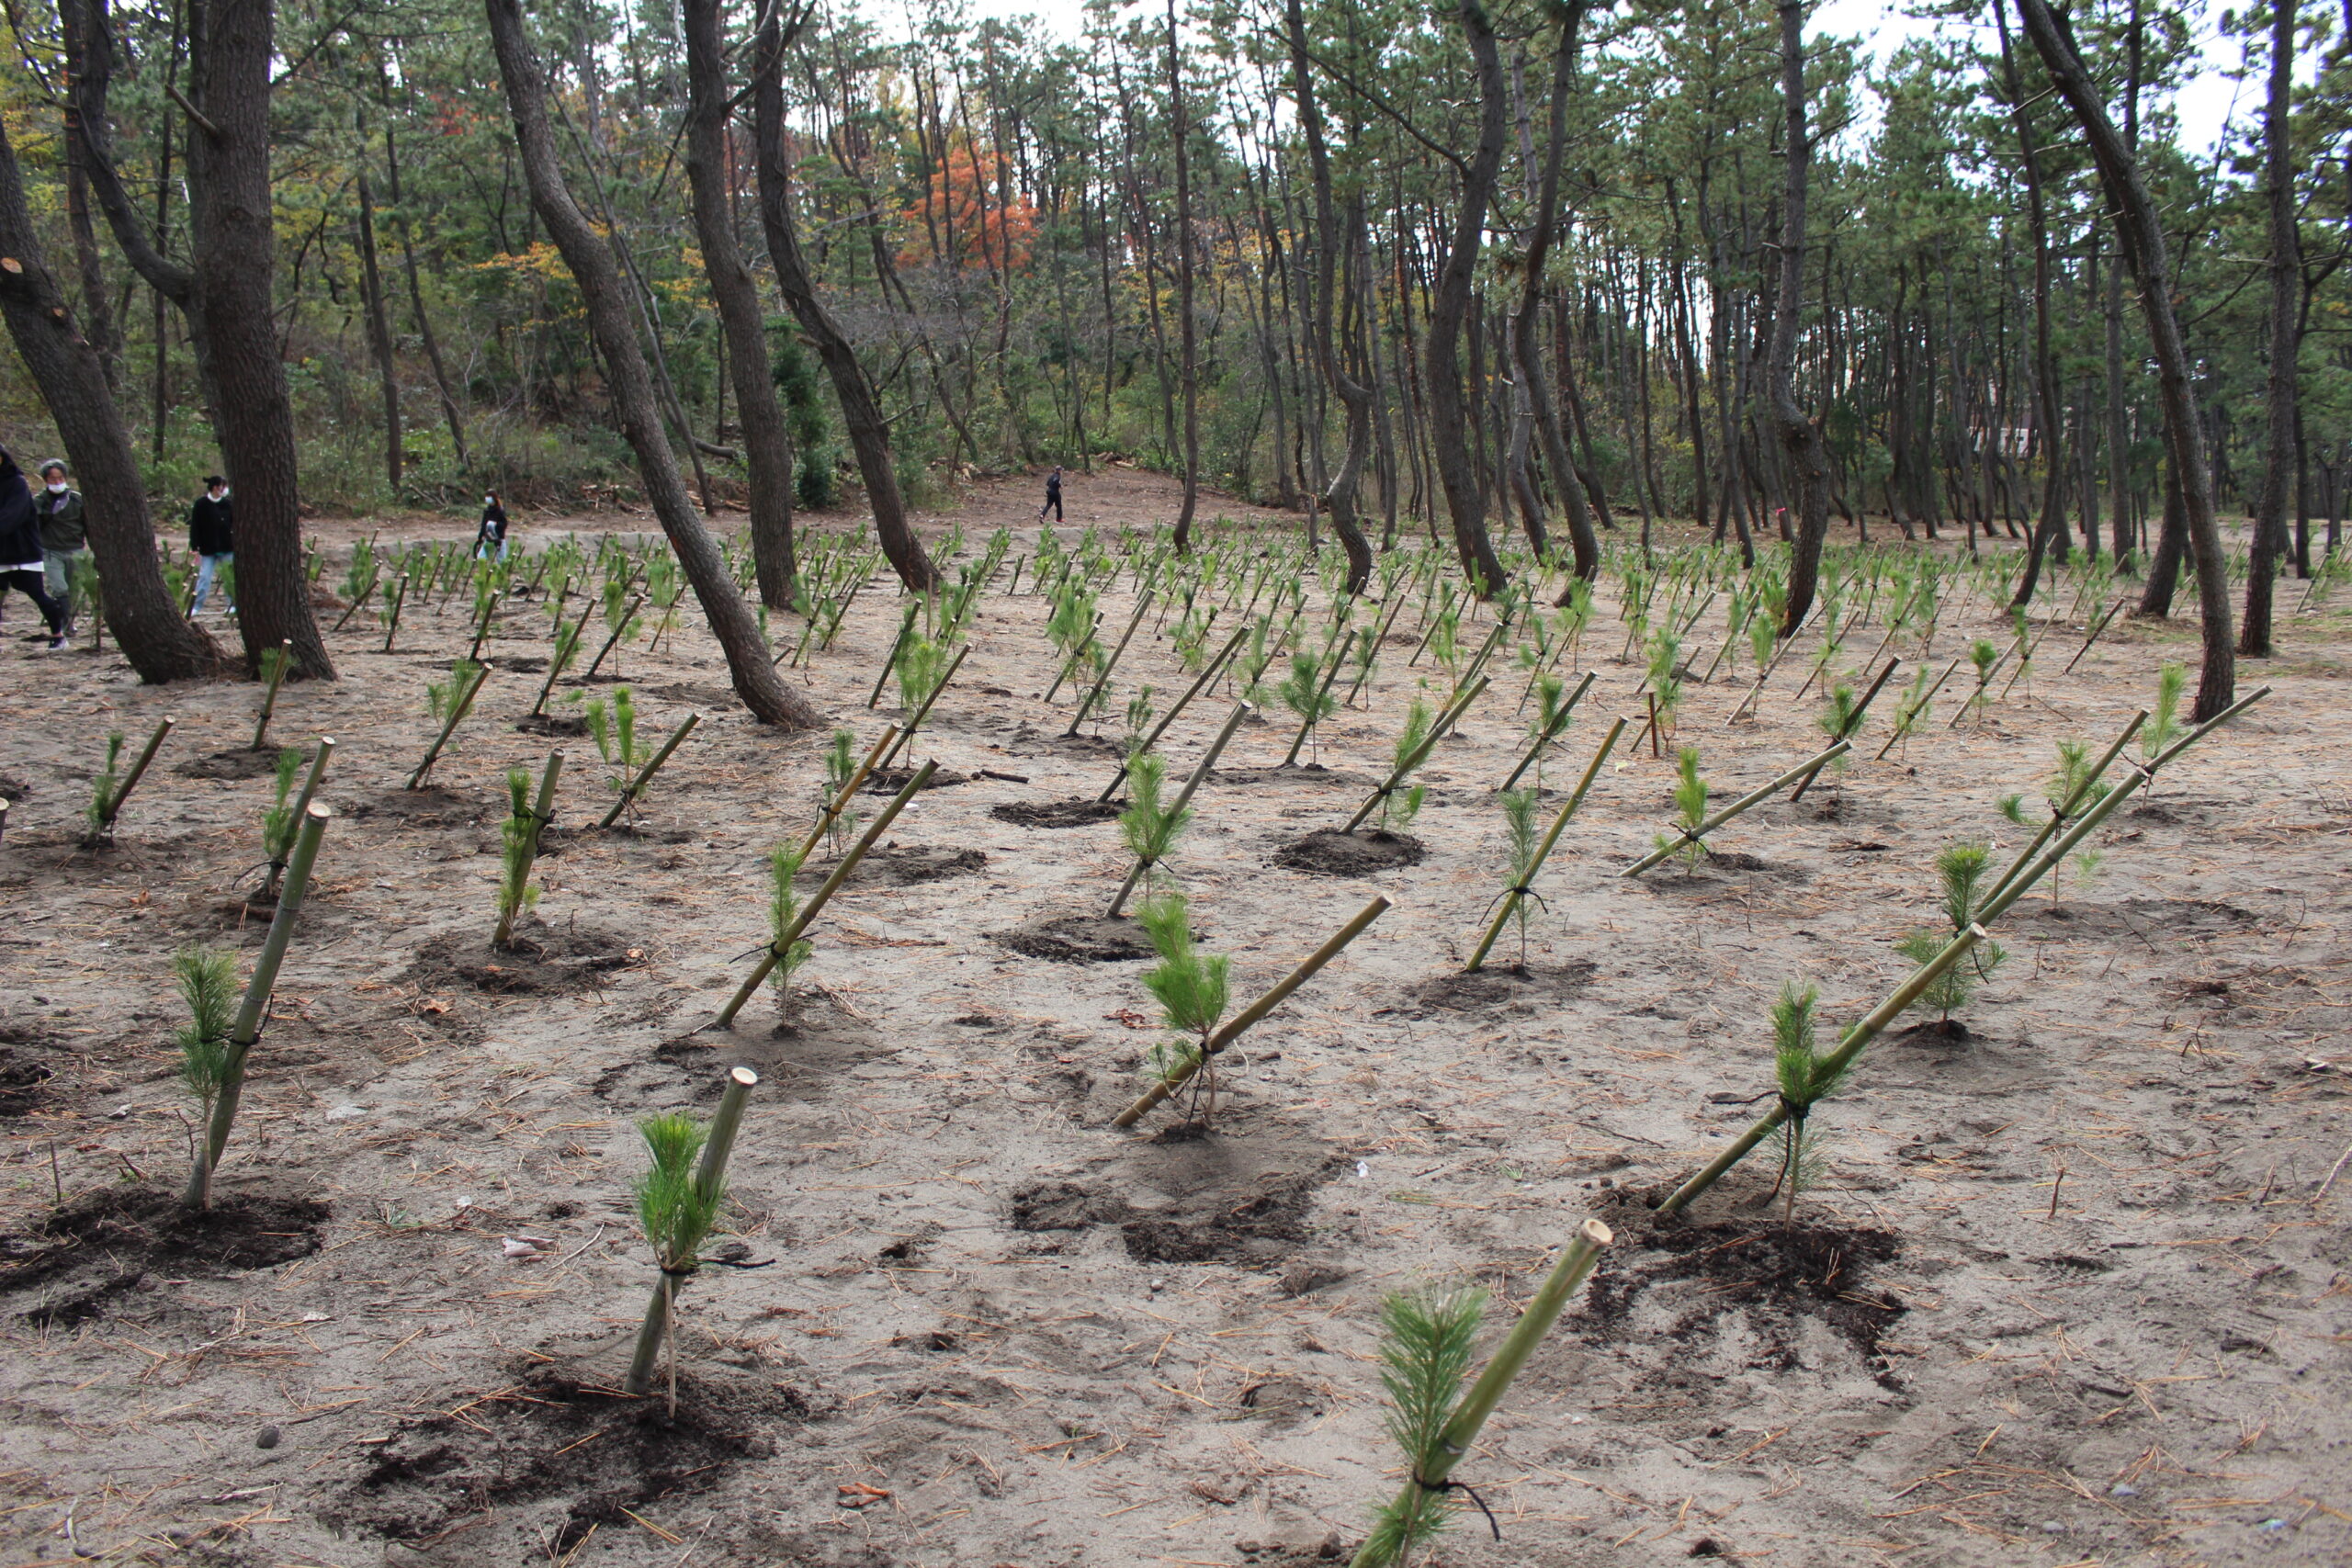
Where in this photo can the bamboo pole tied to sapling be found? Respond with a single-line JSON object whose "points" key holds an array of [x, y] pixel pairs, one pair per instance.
{"points": [[1191, 989]]}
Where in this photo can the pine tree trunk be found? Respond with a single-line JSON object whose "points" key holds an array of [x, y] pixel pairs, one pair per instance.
{"points": [[2285, 335], [1800, 436], [380, 333]]}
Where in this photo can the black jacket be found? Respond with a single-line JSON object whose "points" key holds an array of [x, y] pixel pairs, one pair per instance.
{"points": [[62, 526], [209, 528], [493, 524], [20, 523]]}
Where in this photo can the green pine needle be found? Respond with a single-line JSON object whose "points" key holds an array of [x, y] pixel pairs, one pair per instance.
{"points": [[1424, 1355], [208, 980]]}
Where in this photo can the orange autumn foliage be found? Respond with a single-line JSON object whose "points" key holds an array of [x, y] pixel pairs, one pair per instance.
{"points": [[979, 221]]}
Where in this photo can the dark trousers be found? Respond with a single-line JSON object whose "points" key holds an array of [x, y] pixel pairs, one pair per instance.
{"points": [[37, 592], [1053, 504]]}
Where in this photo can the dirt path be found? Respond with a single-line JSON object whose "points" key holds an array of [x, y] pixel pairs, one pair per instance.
{"points": [[2068, 1292]]}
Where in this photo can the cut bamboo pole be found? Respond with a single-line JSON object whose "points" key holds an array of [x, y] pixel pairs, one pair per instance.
{"points": [[560, 655], [542, 811], [636, 601], [1924, 701], [320, 757], [481, 632], [1544, 851], [1462, 1428], [891, 659], [457, 711], [1070, 664], [1559, 726], [923, 712], [1420, 754], [1184, 798], [1339, 657], [285, 661], [645, 776], [840, 803], [709, 1176], [817, 900], [1754, 797], [138, 770], [1232, 645], [247, 1028], [2112, 613], [1087, 703], [1852, 724], [1254, 1011], [400, 598]]}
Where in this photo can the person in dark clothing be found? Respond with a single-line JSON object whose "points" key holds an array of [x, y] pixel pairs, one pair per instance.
{"points": [[1053, 495], [20, 561], [211, 535], [64, 542], [490, 541]]}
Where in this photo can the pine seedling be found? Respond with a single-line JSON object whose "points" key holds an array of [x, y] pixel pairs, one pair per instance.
{"points": [[520, 843], [1424, 1355], [277, 823], [1550, 720], [2163, 725], [676, 1209], [208, 979], [1763, 632], [1150, 827], [1691, 811], [1306, 693], [1982, 654], [1665, 681], [1521, 835], [1254, 662], [1400, 803], [1139, 714], [1911, 709], [440, 694], [1190, 989], [1576, 614], [2025, 649], [102, 789], [923, 664], [1803, 1081], [841, 766], [1961, 867], [784, 909], [1367, 661]]}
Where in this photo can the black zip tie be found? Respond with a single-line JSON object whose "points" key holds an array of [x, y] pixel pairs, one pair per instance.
{"points": [[1465, 1488], [734, 1263]]}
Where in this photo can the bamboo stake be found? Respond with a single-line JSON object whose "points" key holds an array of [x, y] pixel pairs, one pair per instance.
{"points": [[481, 632], [840, 803], [1558, 727], [1191, 692], [924, 712], [891, 659], [1462, 1428], [247, 1028], [542, 808], [269, 696], [1339, 657], [716, 1147], [1184, 797], [1255, 1011], [562, 654], [2112, 611], [783, 944], [1087, 704], [1692, 835], [400, 597], [138, 770], [1070, 665], [1831, 1066], [597, 664], [319, 760], [1853, 726], [1544, 851], [1924, 701], [1378, 638], [637, 786], [1420, 754], [457, 711]]}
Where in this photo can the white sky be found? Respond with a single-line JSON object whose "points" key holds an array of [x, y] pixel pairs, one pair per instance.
{"points": [[2205, 104]]}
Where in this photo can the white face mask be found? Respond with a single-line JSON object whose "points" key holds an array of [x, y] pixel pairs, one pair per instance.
{"points": [[57, 487]]}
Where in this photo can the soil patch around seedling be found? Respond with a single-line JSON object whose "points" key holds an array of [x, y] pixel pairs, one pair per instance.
{"points": [[1055, 813], [892, 781], [521, 664], [1080, 939], [544, 960], [1495, 987], [241, 763], [905, 866], [1328, 851], [557, 1438], [1311, 775], [550, 725], [22, 1082], [1689, 1282], [106, 1241], [814, 1052], [421, 808], [2153, 920]]}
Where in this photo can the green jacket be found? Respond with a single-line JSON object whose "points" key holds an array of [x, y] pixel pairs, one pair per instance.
{"points": [[61, 520]]}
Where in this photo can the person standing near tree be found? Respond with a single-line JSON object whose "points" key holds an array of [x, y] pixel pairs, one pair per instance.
{"points": [[64, 542], [20, 558], [489, 540], [211, 535], [1053, 495]]}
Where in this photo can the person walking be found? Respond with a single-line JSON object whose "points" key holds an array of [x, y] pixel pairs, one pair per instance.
{"points": [[489, 541], [20, 557], [212, 534], [1053, 495], [64, 542]]}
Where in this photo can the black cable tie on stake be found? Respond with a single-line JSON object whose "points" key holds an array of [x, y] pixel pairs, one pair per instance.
{"points": [[1467, 1489]]}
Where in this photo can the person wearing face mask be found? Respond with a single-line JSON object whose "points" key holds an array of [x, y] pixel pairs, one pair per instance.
{"points": [[20, 560], [64, 544], [491, 539], [211, 536]]}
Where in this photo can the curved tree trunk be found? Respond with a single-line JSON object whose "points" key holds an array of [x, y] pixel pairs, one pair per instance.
{"points": [[1526, 342], [591, 261], [234, 243], [869, 433], [1465, 502], [161, 643], [767, 449], [1187, 336], [2286, 324], [1801, 440], [2145, 250]]}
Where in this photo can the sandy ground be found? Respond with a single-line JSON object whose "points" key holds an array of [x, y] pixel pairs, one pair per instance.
{"points": [[2070, 1292]]}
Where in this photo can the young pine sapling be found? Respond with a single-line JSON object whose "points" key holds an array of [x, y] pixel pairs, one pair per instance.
{"points": [[208, 979], [1520, 838], [1962, 868], [1401, 802], [783, 917], [1804, 1079], [1191, 987], [1691, 794]]}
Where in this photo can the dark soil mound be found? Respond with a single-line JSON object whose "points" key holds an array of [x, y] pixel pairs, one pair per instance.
{"points": [[544, 960], [1936, 1032], [896, 779], [1326, 851], [106, 1241], [587, 1451], [1493, 986], [426, 807], [1080, 939], [241, 763], [1772, 1274], [549, 724], [910, 866], [1313, 775], [20, 1083], [523, 664], [1054, 813], [1261, 1223], [2152, 919], [1065, 1206]]}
